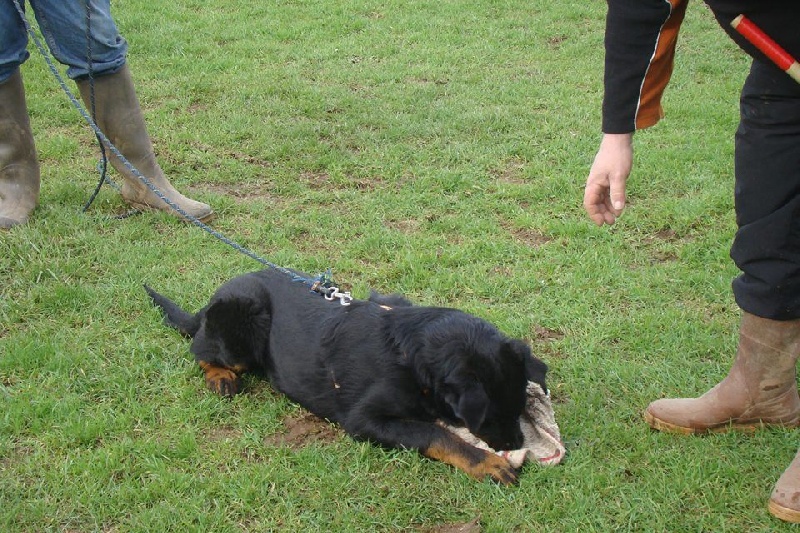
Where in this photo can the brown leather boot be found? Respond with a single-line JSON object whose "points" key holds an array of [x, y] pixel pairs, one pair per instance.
{"points": [[19, 167], [760, 389], [120, 118], [785, 500]]}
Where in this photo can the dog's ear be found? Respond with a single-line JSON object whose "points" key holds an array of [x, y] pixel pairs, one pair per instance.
{"points": [[515, 348], [469, 403], [535, 369]]}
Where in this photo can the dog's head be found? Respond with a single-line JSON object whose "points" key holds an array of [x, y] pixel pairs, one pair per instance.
{"points": [[479, 377]]}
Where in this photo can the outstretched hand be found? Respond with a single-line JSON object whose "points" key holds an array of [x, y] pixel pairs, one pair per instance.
{"points": [[604, 196]]}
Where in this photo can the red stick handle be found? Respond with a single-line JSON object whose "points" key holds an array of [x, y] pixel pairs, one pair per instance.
{"points": [[768, 47]]}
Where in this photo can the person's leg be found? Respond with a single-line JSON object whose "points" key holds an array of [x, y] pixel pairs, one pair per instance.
{"points": [[64, 25], [119, 117], [767, 245], [761, 388], [13, 40], [105, 81], [19, 166], [785, 500]]}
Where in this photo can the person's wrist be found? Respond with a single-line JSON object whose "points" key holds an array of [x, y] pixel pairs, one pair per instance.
{"points": [[618, 140]]}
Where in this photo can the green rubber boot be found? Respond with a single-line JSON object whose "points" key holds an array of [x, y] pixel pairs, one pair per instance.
{"points": [[19, 167], [119, 117]]}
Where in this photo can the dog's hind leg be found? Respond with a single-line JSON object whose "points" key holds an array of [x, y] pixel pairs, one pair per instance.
{"points": [[223, 381]]}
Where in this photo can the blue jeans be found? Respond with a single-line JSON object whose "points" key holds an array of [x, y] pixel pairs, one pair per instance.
{"points": [[63, 24]]}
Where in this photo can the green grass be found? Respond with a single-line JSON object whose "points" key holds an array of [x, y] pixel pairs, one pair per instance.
{"points": [[434, 148]]}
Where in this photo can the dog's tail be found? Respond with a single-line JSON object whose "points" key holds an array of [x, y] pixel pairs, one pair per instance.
{"points": [[175, 317]]}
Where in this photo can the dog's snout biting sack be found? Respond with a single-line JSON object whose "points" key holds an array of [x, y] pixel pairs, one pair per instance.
{"points": [[542, 437]]}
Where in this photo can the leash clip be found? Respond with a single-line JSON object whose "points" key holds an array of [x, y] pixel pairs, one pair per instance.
{"points": [[333, 293]]}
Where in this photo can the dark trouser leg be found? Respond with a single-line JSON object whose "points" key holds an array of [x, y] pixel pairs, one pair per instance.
{"points": [[767, 245]]}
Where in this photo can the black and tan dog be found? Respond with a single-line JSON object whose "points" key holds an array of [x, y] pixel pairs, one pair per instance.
{"points": [[382, 368]]}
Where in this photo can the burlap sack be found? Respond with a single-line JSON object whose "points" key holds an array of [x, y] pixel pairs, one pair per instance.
{"points": [[542, 442]]}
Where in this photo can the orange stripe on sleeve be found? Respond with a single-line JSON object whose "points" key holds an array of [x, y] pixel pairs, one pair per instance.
{"points": [[649, 110]]}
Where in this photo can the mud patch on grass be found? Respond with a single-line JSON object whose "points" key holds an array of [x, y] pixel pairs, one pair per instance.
{"points": [[406, 226], [542, 340], [302, 429], [529, 237], [223, 434], [241, 192], [543, 334], [556, 41], [666, 235], [235, 155], [473, 526], [663, 243], [512, 172], [322, 181]]}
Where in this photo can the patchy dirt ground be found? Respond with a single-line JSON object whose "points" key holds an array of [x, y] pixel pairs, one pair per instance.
{"points": [[473, 526], [303, 429]]}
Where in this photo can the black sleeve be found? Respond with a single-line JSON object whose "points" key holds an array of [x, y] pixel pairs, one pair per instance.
{"points": [[640, 49]]}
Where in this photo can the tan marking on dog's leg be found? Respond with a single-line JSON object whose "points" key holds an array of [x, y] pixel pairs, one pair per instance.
{"points": [[474, 461]]}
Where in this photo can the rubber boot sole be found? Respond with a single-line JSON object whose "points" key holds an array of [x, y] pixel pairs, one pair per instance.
{"points": [[208, 217], [745, 427], [784, 513]]}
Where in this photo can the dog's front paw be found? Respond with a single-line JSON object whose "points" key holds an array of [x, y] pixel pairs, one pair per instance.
{"points": [[497, 468], [223, 381], [478, 463]]}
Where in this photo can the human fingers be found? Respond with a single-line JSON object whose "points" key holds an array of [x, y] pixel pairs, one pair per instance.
{"points": [[596, 203], [616, 193]]}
